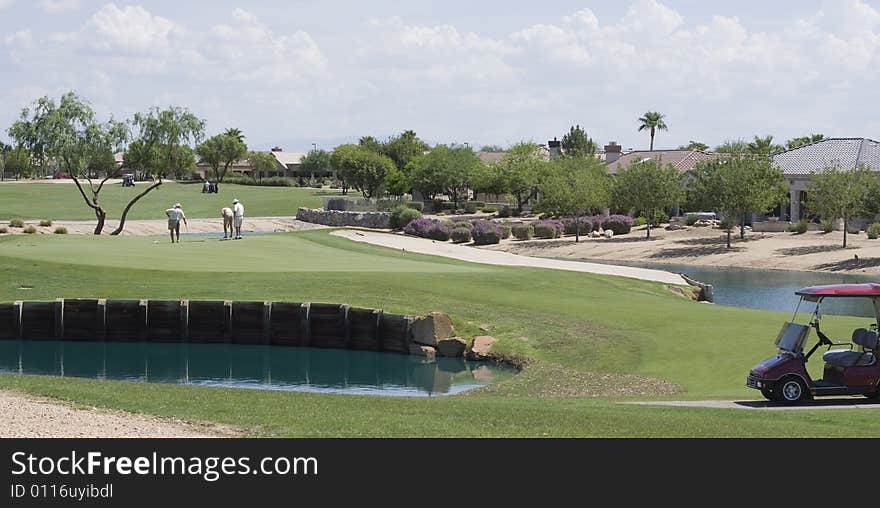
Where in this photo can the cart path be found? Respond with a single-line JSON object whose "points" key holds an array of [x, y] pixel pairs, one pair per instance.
{"points": [[28, 416], [856, 402], [493, 257]]}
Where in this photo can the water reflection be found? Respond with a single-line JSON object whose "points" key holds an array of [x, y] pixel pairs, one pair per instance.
{"points": [[261, 367]]}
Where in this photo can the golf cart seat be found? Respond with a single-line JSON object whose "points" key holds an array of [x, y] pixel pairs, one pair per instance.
{"points": [[843, 358]]}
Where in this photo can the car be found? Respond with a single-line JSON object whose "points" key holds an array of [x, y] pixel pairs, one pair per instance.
{"points": [[850, 369]]}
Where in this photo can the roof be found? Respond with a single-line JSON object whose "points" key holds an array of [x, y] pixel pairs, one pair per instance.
{"points": [[682, 160], [289, 158], [869, 289], [490, 157], [846, 153]]}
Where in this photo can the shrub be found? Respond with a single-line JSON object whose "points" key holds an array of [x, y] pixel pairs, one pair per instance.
{"points": [[16, 223], [523, 231], [619, 224], [45, 223], [275, 181], [657, 218], [550, 228], [639, 221], [428, 228], [461, 234], [479, 204], [730, 221], [570, 224], [691, 219], [873, 231], [486, 232], [61, 230], [504, 212], [447, 205], [827, 226], [30, 230], [505, 230], [489, 209], [402, 215], [3, 230], [800, 227], [436, 205], [471, 207], [416, 205]]}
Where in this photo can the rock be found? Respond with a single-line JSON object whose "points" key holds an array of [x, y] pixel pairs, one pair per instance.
{"points": [[609, 233], [453, 347], [480, 348], [427, 330], [674, 227], [423, 351], [595, 234]]}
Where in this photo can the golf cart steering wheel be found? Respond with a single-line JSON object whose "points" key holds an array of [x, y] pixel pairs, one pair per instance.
{"points": [[823, 339]]}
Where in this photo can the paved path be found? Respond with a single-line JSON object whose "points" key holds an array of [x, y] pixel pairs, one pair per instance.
{"points": [[25, 416], [835, 403], [492, 257]]}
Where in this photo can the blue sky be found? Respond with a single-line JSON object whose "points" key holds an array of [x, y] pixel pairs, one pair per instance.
{"points": [[294, 73]]}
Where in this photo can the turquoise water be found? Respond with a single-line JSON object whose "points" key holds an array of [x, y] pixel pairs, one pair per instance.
{"points": [[767, 289], [258, 367]]}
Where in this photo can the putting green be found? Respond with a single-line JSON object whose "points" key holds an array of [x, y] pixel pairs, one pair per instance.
{"points": [[284, 252]]}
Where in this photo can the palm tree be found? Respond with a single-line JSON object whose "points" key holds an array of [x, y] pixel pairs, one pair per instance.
{"points": [[763, 146], [652, 121], [235, 133]]}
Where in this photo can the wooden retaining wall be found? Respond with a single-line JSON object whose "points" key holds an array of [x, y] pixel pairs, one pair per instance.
{"points": [[322, 325]]}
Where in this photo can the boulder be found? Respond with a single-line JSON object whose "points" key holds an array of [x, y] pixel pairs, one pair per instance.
{"points": [[609, 233], [427, 330], [453, 347], [423, 351], [480, 349]]}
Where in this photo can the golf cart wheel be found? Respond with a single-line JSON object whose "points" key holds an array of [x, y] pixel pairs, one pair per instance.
{"points": [[768, 394], [791, 390]]}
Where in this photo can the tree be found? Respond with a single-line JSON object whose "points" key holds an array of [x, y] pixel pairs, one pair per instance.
{"points": [[371, 143], [221, 151], [737, 186], [518, 173], [403, 148], [33, 132], [841, 194], [235, 133], [803, 140], [652, 121], [261, 162], [735, 146], [695, 145], [316, 161], [17, 161], [577, 144], [449, 170], [648, 186], [573, 187], [763, 146], [363, 169]]}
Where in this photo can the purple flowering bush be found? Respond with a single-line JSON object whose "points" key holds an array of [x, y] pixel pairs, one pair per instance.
{"points": [[486, 232], [428, 228], [549, 228], [619, 224], [570, 224]]}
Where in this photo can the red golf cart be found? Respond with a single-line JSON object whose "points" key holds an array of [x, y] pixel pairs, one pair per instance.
{"points": [[851, 368]]}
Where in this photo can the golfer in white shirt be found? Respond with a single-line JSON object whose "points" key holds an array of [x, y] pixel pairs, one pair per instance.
{"points": [[238, 217], [175, 215]]}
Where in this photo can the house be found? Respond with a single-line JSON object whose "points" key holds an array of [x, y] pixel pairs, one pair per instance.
{"points": [[799, 164], [682, 160], [287, 164]]}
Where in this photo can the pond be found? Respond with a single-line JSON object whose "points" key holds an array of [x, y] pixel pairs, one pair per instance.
{"points": [[766, 289], [259, 367]]}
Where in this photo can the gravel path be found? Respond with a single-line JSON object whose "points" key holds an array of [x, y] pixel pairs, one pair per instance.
{"points": [[835, 403], [25, 416], [492, 257]]}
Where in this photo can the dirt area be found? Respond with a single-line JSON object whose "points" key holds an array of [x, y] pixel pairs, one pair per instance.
{"points": [[160, 227], [465, 253], [26, 416], [811, 251]]}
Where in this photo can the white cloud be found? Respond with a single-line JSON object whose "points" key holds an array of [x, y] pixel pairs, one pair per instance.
{"points": [[5, 4], [59, 6], [130, 28]]}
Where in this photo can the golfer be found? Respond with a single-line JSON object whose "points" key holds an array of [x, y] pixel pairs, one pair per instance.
{"points": [[238, 217], [226, 213], [175, 215]]}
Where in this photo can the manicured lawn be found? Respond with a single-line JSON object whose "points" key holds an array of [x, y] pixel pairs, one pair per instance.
{"points": [[62, 201], [570, 323]]}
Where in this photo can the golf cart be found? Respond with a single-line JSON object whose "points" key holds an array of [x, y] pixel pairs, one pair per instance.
{"points": [[128, 180], [850, 368]]}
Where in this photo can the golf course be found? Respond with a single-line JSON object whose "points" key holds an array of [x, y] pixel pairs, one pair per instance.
{"points": [[590, 343]]}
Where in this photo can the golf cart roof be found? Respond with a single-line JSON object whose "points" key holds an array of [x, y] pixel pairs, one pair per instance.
{"points": [[837, 290]]}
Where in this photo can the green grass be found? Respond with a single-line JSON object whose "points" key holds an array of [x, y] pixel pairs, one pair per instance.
{"points": [[570, 323], [62, 201]]}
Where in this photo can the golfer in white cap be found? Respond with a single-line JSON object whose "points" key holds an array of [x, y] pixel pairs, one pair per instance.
{"points": [[237, 217], [175, 215]]}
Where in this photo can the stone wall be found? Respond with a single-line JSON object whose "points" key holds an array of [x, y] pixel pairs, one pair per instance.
{"points": [[372, 220]]}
